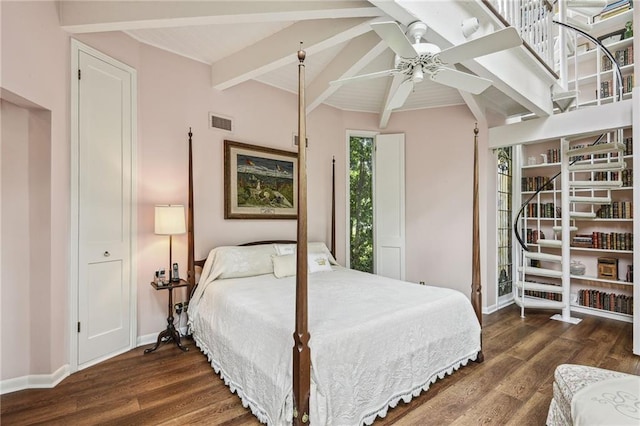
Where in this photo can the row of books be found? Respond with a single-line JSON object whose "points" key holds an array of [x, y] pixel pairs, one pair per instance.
{"points": [[553, 155], [603, 240], [532, 183], [621, 56], [607, 301], [544, 210], [533, 235], [626, 177], [628, 150], [616, 210], [544, 295], [607, 90], [613, 9]]}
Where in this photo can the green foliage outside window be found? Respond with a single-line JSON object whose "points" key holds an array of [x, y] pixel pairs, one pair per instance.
{"points": [[361, 203]]}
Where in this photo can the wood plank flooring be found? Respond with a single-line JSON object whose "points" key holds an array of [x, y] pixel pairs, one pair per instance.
{"points": [[513, 386]]}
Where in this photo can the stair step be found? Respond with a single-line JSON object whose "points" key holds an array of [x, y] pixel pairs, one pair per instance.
{"points": [[543, 272], [549, 288], [548, 257], [559, 229], [600, 148], [534, 302], [590, 200], [597, 184], [549, 243], [582, 215], [598, 167], [563, 100]]}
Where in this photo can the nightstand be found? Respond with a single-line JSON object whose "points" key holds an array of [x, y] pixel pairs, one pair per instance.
{"points": [[170, 333]]}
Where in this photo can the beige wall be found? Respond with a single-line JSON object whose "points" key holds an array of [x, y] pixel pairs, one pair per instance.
{"points": [[174, 94], [35, 63]]}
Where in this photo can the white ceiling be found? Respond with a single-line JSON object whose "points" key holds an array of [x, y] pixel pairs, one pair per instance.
{"points": [[258, 40]]}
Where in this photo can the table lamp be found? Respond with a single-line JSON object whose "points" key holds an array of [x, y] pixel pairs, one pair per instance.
{"points": [[169, 220]]}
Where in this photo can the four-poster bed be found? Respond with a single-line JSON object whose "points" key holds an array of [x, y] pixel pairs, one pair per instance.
{"points": [[374, 341]]}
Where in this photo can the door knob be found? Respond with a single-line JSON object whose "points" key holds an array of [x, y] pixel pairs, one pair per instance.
{"points": [[106, 254]]}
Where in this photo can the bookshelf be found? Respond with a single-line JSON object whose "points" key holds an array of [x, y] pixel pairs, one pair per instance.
{"points": [[590, 72], [607, 234]]}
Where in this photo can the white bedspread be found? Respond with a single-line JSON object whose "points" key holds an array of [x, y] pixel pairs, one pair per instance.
{"points": [[373, 342]]}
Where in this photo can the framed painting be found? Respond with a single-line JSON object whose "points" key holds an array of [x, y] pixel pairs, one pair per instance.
{"points": [[259, 182]]}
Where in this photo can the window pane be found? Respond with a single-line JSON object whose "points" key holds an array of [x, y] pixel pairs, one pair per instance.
{"points": [[361, 203]]}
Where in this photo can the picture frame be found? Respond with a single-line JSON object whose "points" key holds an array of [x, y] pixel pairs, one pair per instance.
{"points": [[611, 37], [259, 182]]}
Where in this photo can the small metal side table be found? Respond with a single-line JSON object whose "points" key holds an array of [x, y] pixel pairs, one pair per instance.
{"points": [[170, 333]]}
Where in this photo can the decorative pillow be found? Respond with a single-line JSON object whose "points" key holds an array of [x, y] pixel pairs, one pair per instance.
{"points": [[314, 247], [320, 247], [318, 262], [247, 261], [284, 266], [283, 249]]}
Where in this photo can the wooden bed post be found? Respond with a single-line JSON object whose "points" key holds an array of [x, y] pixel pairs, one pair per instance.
{"points": [[301, 351], [191, 270], [476, 287], [333, 207]]}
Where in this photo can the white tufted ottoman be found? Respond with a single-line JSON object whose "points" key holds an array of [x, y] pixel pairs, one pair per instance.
{"points": [[570, 379]]}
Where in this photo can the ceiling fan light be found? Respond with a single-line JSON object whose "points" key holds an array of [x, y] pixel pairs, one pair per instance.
{"points": [[470, 26], [418, 75]]}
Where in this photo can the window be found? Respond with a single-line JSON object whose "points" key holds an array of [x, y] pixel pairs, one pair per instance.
{"points": [[361, 203], [505, 180]]}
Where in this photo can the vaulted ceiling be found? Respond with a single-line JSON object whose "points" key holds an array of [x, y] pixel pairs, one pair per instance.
{"points": [[243, 40]]}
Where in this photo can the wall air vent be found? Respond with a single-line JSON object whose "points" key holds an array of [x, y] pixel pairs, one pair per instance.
{"points": [[219, 122]]}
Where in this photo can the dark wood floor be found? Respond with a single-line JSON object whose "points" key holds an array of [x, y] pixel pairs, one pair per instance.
{"points": [[512, 386]]}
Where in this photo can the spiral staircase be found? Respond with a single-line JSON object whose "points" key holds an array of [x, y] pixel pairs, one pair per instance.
{"points": [[580, 195]]}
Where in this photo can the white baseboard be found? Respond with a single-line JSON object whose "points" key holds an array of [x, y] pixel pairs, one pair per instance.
{"points": [[34, 381], [496, 307]]}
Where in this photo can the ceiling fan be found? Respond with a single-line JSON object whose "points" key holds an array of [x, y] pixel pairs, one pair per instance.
{"points": [[414, 60]]}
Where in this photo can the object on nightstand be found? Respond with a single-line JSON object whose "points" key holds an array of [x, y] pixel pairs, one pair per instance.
{"points": [[608, 268], [175, 276]]}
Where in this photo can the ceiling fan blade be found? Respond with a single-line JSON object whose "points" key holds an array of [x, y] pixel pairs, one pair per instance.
{"points": [[364, 77], [395, 38], [461, 80], [402, 93], [495, 42]]}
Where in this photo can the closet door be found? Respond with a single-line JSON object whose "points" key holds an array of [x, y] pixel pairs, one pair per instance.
{"points": [[104, 213], [389, 202]]}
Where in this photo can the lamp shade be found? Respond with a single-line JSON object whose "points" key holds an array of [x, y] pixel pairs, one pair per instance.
{"points": [[170, 220]]}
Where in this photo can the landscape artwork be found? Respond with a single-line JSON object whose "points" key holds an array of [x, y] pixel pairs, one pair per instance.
{"points": [[260, 182]]}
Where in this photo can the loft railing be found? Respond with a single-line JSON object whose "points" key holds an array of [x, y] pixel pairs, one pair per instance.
{"points": [[533, 20]]}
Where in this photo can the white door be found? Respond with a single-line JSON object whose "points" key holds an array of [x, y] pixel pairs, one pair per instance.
{"points": [[389, 199], [104, 190]]}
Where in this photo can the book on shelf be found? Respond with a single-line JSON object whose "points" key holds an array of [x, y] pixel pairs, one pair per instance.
{"points": [[532, 183], [616, 210], [612, 9], [612, 302], [626, 176]]}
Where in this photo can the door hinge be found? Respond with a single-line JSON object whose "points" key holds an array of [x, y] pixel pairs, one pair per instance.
{"points": [[78, 326], [79, 74]]}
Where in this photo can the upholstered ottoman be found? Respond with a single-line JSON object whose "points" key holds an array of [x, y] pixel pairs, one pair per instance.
{"points": [[616, 391]]}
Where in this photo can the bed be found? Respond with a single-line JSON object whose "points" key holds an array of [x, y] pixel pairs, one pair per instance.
{"points": [[374, 340], [361, 342]]}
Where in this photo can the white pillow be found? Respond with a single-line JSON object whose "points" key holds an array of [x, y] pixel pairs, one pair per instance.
{"points": [[284, 266], [283, 249], [243, 261], [318, 262], [313, 247]]}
